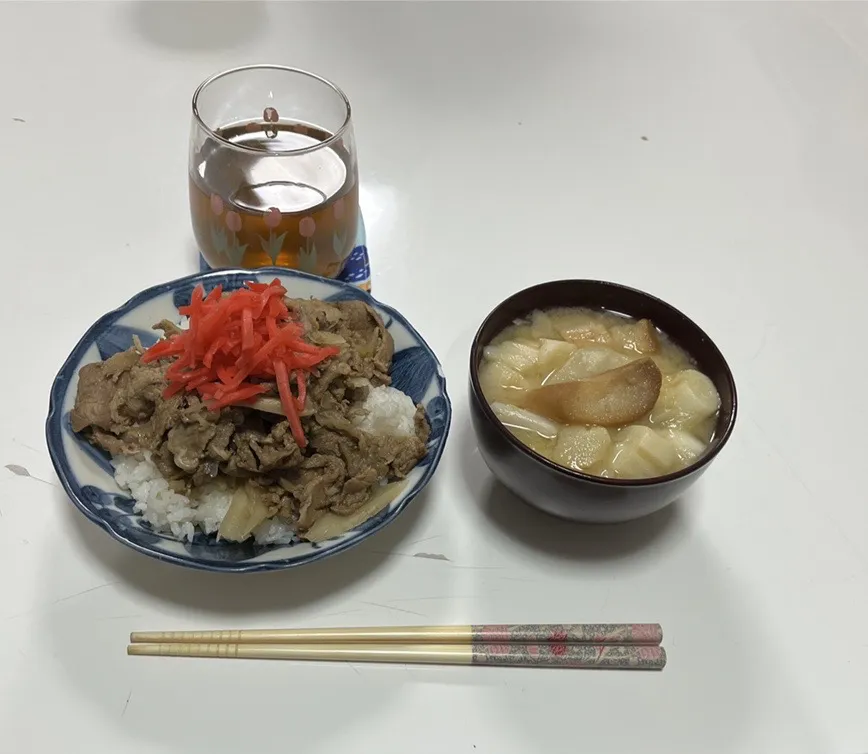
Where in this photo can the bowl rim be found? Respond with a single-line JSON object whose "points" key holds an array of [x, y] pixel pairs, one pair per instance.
{"points": [[63, 469], [491, 417]]}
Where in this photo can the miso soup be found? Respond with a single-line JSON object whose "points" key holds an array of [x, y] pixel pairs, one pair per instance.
{"points": [[600, 393]]}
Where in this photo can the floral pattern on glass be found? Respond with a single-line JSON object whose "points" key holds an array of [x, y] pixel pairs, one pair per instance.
{"points": [[216, 204], [318, 242], [307, 256], [273, 245]]}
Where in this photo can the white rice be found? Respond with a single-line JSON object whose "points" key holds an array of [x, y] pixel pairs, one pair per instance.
{"points": [[167, 511], [389, 412]]}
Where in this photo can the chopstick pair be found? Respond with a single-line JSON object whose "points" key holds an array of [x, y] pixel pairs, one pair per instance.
{"points": [[615, 646]]}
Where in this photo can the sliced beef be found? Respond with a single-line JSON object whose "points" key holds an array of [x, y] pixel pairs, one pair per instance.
{"points": [[316, 315], [371, 346], [312, 488], [113, 444], [334, 370], [168, 328], [363, 328], [255, 450], [119, 404], [97, 388], [277, 450], [218, 447], [368, 459], [188, 443], [191, 434], [243, 461]]}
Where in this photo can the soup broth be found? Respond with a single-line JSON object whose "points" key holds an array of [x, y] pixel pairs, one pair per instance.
{"points": [[601, 393]]}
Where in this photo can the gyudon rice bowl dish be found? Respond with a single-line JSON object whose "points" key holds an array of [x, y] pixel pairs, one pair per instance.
{"points": [[258, 417]]}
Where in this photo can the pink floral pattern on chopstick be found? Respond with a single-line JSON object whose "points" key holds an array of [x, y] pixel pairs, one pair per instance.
{"points": [[569, 633], [611, 656]]}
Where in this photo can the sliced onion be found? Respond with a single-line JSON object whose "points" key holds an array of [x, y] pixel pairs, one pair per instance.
{"points": [[331, 525], [513, 416], [245, 513]]}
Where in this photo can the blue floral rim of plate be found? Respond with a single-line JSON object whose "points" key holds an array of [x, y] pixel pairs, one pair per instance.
{"points": [[357, 270], [86, 474]]}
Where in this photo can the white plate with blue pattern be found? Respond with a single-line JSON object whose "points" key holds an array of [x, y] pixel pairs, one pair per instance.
{"points": [[86, 473]]}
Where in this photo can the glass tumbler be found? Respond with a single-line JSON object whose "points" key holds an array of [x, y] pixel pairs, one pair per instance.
{"points": [[273, 172]]}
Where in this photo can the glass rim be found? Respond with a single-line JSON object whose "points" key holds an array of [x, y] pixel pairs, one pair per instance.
{"points": [[273, 67]]}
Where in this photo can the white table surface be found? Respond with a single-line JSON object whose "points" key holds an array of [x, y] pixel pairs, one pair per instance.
{"points": [[714, 155]]}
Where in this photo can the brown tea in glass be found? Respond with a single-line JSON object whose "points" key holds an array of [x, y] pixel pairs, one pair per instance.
{"points": [[272, 171]]}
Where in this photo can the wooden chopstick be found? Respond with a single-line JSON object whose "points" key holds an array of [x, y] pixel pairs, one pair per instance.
{"points": [[534, 633], [613, 656]]}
